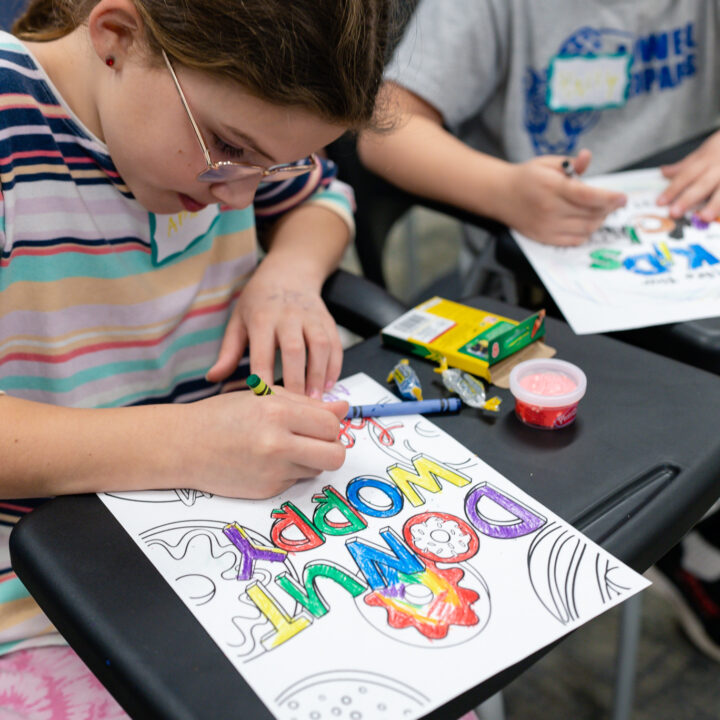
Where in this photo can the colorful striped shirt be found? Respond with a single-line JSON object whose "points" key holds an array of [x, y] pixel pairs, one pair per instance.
{"points": [[103, 304]]}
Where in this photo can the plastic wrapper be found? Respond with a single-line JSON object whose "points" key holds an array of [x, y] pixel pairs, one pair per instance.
{"points": [[406, 380], [470, 390]]}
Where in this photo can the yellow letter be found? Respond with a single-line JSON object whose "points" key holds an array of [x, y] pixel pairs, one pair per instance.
{"points": [[285, 626], [427, 472]]}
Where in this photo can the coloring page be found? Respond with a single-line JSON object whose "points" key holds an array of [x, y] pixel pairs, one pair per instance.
{"points": [[640, 268], [381, 590]]}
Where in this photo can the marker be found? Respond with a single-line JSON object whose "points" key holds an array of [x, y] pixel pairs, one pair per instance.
{"points": [[258, 386], [568, 168], [410, 407]]}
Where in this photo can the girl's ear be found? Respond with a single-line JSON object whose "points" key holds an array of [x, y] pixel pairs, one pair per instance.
{"points": [[115, 28]]}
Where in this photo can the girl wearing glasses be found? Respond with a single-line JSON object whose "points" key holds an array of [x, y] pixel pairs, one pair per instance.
{"points": [[140, 141]]}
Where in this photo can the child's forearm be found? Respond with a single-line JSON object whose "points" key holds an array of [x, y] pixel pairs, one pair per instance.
{"points": [[422, 157], [309, 242], [48, 450]]}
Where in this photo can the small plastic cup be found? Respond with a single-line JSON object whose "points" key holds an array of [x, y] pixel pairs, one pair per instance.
{"points": [[547, 392]]}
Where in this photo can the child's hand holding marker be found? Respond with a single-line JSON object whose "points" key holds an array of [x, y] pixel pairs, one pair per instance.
{"points": [[695, 180], [239, 445], [544, 200]]}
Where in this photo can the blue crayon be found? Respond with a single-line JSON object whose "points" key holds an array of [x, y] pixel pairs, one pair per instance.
{"points": [[411, 407]]}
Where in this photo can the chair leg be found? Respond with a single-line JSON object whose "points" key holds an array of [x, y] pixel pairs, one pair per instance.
{"points": [[629, 635], [481, 274], [492, 709]]}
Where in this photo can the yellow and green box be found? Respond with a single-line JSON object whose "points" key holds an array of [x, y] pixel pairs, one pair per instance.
{"points": [[471, 339]]}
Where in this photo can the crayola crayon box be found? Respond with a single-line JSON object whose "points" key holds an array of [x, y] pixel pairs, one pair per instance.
{"points": [[471, 339]]}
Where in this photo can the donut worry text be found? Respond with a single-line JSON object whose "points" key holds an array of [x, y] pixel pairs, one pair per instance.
{"points": [[404, 576]]}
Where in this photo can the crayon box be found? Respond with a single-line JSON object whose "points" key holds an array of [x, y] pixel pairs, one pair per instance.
{"points": [[471, 339]]}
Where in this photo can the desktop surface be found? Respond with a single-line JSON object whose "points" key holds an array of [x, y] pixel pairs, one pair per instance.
{"points": [[634, 472]]}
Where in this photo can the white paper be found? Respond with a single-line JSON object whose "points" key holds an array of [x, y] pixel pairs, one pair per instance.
{"points": [[490, 575], [670, 274]]}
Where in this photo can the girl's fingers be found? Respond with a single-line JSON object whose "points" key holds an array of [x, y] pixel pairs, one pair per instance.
{"points": [[335, 362], [315, 422], [694, 193], [711, 210], [582, 161], [592, 198], [670, 171], [317, 455], [681, 180], [324, 347], [338, 408], [262, 352], [231, 350], [293, 354]]}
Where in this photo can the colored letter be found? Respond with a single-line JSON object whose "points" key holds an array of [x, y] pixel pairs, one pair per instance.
{"points": [[285, 626], [605, 259], [696, 255], [426, 475], [525, 520], [329, 500], [381, 568], [249, 551], [287, 516], [356, 486], [308, 596], [655, 266]]}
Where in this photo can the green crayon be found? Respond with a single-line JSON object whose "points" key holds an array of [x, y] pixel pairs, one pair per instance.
{"points": [[258, 386]]}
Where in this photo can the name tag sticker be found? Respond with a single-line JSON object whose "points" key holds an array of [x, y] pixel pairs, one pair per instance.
{"points": [[588, 82], [171, 235]]}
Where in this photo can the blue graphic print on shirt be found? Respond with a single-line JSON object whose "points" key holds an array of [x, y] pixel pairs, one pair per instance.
{"points": [[660, 62]]}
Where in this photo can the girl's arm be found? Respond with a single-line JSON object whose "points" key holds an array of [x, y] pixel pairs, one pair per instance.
{"points": [[534, 197], [237, 445]]}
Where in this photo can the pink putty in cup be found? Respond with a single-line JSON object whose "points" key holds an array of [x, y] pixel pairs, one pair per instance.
{"points": [[547, 392]]}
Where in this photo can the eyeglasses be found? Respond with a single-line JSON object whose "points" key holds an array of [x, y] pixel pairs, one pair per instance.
{"points": [[228, 171]]}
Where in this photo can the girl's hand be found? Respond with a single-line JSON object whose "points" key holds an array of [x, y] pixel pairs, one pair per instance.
{"points": [[241, 445], [542, 203], [279, 307], [695, 180]]}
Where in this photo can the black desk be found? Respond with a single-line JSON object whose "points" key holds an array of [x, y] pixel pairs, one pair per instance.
{"points": [[635, 472]]}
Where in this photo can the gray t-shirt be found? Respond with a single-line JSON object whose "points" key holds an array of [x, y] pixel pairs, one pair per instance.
{"points": [[486, 65]]}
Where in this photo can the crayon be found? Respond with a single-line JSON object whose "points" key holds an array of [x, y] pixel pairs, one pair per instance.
{"points": [[410, 407], [258, 386]]}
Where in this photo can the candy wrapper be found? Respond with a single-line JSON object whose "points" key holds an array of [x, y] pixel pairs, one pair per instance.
{"points": [[406, 379], [469, 388]]}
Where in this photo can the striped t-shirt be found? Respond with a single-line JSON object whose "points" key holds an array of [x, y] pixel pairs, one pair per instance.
{"points": [[103, 304]]}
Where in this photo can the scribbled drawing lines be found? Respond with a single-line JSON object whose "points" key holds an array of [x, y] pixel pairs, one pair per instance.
{"points": [[354, 676], [560, 576], [177, 524], [188, 497], [424, 429], [207, 597], [183, 544], [607, 587], [561, 609], [576, 564]]}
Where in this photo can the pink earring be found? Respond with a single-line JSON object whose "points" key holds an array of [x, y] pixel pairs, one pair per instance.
{"points": [[109, 60]]}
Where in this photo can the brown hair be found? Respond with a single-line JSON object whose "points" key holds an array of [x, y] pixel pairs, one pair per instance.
{"points": [[326, 56]]}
